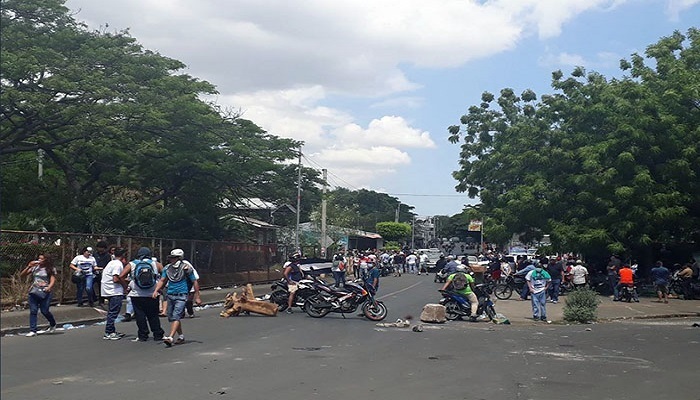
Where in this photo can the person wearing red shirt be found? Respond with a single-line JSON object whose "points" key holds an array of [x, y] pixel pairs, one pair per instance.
{"points": [[626, 279]]}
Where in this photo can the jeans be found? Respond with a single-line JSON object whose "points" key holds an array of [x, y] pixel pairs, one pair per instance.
{"points": [[612, 282], [85, 286], [554, 289], [525, 292], [115, 306], [176, 306], [36, 304], [539, 304], [339, 277], [412, 269], [146, 313]]}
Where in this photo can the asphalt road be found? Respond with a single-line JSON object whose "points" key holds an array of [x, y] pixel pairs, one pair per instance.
{"points": [[298, 357]]}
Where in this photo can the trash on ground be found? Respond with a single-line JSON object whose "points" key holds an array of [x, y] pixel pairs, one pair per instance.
{"points": [[501, 319], [245, 302], [398, 324]]}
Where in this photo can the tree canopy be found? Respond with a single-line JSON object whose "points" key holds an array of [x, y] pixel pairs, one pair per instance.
{"points": [[602, 165], [126, 142]]}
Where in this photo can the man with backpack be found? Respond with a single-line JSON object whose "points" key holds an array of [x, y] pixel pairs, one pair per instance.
{"points": [[179, 276], [463, 283], [143, 273]]}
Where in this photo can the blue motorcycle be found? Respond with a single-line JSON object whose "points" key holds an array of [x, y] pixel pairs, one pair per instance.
{"points": [[457, 306]]}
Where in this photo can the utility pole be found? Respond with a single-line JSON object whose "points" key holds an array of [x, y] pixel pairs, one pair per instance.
{"points": [[296, 237], [40, 160], [396, 217], [323, 214], [413, 233]]}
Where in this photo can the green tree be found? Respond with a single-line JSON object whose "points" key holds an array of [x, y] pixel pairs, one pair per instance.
{"points": [[394, 231], [603, 165], [127, 143]]}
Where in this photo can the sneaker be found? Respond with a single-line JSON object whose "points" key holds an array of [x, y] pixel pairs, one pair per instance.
{"points": [[121, 335], [180, 340], [31, 334], [472, 319], [137, 339], [190, 315], [127, 317], [52, 329], [543, 318], [168, 341], [554, 302], [111, 336], [289, 311]]}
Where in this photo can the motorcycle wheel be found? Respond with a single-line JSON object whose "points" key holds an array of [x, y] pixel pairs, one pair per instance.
{"points": [[278, 297], [452, 311], [490, 312], [503, 291], [311, 308], [374, 312]]}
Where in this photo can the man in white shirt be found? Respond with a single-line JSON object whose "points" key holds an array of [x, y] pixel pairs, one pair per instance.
{"points": [[412, 261], [579, 274], [112, 288], [423, 263]]}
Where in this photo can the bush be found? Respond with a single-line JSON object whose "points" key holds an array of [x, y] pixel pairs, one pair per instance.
{"points": [[581, 306]]}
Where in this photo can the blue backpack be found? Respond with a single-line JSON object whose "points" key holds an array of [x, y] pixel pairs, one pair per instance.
{"points": [[144, 274]]}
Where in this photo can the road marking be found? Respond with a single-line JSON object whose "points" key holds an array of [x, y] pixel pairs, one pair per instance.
{"points": [[398, 291]]}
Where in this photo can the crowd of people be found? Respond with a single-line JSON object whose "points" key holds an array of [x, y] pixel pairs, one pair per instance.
{"points": [[149, 287], [153, 290]]}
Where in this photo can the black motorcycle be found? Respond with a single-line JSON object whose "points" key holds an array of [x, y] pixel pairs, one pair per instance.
{"points": [[457, 306], [504, 290], [627, 293], [345, 300], [280, 292]]}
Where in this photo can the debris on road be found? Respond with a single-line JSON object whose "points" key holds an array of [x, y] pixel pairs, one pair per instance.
{"points": [[398, 324], [234, 304], [434, 313], [501, 319]]}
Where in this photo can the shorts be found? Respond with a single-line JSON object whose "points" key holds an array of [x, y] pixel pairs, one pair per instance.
{"points": [[292, 287], [176, 306], [661, 288]]}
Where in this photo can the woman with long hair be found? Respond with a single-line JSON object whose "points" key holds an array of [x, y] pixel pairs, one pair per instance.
{"points": [[43, 280]]}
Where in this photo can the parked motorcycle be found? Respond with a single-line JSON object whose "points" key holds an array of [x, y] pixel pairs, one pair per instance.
{"points": [[354, 295], [280, 292], [457, 306]]}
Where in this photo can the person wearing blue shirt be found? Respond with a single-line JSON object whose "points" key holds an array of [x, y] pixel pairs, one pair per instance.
{"points": [[176, 275]]}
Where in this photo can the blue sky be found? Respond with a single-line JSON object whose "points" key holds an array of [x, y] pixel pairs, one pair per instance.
{"points": [[371, 86]]}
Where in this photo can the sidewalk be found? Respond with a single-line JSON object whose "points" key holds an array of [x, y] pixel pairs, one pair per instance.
{"points": [[18, 321], [608, 310], [518, 312]]}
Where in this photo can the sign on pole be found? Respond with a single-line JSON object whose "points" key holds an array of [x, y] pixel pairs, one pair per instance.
{"points": [[475, 225]]}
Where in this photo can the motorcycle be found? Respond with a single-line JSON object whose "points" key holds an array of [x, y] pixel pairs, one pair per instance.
{"points": [[345, 300], [280, 292], [512, 283], [627, 293], [441, 276], [386, 268], [457, 306]]}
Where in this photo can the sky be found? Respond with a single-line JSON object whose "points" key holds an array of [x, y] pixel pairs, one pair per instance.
{"points": [[370, 86]]}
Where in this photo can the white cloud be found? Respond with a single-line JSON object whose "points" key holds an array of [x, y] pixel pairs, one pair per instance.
{"points": [[675, 7], [388, 130], [281, 61], [564, 59]]}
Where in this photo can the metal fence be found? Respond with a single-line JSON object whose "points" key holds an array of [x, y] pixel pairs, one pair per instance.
{"points": [[218, 263]]}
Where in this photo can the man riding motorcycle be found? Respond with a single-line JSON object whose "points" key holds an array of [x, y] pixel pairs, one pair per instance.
{"points": [[456, 283]]}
